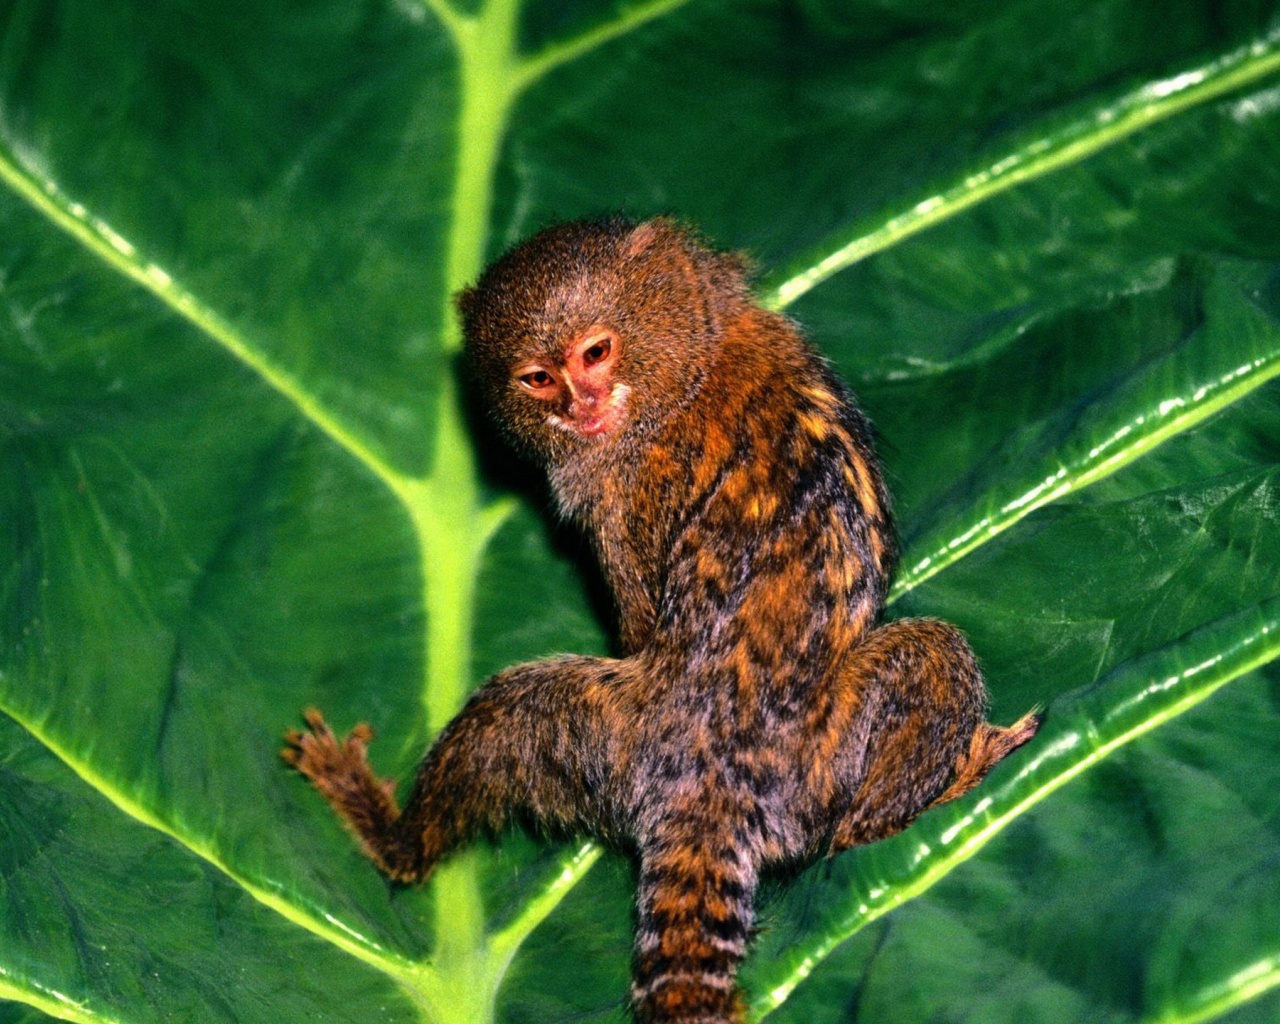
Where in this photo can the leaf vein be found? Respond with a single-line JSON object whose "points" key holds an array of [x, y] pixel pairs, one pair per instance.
{"points": [[554, 55], [412, 976], [101, 240], [1045, 150]]}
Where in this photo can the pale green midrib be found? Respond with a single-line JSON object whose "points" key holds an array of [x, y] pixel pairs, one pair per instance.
{"points": [[407, 972], [994, 824], [1102, 461], [450, 541], [1243, 986], [1082, 138]]}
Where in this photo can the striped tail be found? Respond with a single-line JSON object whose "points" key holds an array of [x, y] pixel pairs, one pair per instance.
{"points": [[695, 914]]}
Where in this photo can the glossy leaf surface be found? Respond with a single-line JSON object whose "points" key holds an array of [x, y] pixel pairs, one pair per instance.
{"points": [[237, 478]]}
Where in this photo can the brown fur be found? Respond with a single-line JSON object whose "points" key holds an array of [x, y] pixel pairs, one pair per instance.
{"points": [[759, 714]]}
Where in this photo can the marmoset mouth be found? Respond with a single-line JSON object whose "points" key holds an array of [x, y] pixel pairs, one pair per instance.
{"points": [[609, 418]]}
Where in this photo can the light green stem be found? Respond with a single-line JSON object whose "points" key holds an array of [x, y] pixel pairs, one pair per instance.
{"points": [[452, 523]]}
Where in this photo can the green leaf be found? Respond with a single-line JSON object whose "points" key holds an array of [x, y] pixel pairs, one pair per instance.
{"points": [[237, 478]]}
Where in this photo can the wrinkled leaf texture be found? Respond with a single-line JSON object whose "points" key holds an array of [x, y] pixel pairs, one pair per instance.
{"points": [[237, 478]]}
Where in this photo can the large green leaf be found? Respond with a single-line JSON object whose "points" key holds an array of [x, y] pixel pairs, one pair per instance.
{"points": [[237, 478]]}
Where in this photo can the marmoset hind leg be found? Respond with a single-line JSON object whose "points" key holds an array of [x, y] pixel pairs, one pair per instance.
{"points": [[928, 741], [522, 743]]}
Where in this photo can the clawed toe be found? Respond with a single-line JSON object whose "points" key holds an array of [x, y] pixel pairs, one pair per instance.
{"points": [[318, 753]]}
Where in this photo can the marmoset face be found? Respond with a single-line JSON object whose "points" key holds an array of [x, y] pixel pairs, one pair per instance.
{"points": [[589, 330]]}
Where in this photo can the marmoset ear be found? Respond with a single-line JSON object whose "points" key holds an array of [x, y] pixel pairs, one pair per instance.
{"points": [[643, 236], [655, 230]]}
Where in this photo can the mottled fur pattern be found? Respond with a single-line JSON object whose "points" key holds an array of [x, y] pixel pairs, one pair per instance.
{"points": [[760, 713]]}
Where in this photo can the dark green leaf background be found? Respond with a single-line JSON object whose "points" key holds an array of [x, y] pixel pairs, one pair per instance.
{"points": [[237, 478]]}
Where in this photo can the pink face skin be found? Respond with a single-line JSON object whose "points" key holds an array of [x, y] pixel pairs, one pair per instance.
{"points": [[584, 397]]}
